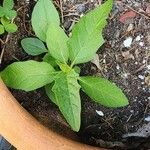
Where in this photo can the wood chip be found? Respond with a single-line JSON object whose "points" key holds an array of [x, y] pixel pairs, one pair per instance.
{"points": [[147, 80], [127, 15]]}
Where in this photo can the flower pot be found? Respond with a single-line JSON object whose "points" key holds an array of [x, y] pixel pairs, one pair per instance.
{"points": [[25, 132]]}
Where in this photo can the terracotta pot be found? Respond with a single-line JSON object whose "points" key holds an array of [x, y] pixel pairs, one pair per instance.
{"points": [[25, 132]]}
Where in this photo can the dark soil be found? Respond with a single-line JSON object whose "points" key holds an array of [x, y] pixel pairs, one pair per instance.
{"points": [[128, 67]]}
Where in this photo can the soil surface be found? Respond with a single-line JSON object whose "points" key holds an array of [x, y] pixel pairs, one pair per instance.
{"points": [[123, 59]]}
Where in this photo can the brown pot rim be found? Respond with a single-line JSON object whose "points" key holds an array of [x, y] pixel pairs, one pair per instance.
{"points": [[24, 132]]}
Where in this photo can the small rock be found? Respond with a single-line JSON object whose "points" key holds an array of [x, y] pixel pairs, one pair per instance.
{"points": [[147, 80], [147, 119], [127, 43], [132, 111], [141, 43], [100, 113], [148, 67], [130, 27], [125, 75], [117, 67], [144, 61], [141, 77], [81, 15], [138, 38]]}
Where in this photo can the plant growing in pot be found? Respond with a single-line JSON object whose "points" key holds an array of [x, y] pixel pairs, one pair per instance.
{"points": [[7, 14], [57, 71]]}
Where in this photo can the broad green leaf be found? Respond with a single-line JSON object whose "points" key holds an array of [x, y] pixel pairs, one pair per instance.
{"points": [[10, 14], [1, 11], [8, 4], [11, 27], [28, 75], [66, 90], [57, 43], [87, 34], [43, 14], [50, 93], [33, 46], [49, 59], [2, 30], [5, 21], [103, 91]]}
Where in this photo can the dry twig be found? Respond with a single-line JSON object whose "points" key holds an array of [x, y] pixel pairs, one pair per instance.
{"points": [[3, 50], [137, 12]]}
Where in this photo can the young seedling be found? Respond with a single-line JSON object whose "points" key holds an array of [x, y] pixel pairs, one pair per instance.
{"points": [[6, 15], [58, 71]]}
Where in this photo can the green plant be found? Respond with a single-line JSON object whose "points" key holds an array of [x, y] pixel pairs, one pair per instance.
{"points": [[6, 15], [57, 72]]}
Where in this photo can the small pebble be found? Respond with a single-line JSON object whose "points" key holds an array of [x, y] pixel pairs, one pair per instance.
{"points": [[132, 111], [138, 38], [141, 77], [81, 15], [125, 75], [117, 67], [148, 67], [127, 43], [147, 119], [141, 43], [100, 113], [144, 61], [130, 27]]}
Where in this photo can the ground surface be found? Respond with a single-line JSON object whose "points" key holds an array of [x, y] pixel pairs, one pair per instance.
{"points": [[124, 59]]}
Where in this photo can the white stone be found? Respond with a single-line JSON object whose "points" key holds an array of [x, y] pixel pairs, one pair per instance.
{"points": [[125, 75], [100, 113], [148, 67], [117, 67], [132, 111], [81, 15], [127, 43], [138, 38], [141, 77], [147, 119], [144, 61], [141, 43]]}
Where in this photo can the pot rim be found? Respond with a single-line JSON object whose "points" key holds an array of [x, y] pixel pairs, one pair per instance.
{"points": [[24, 132]]}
